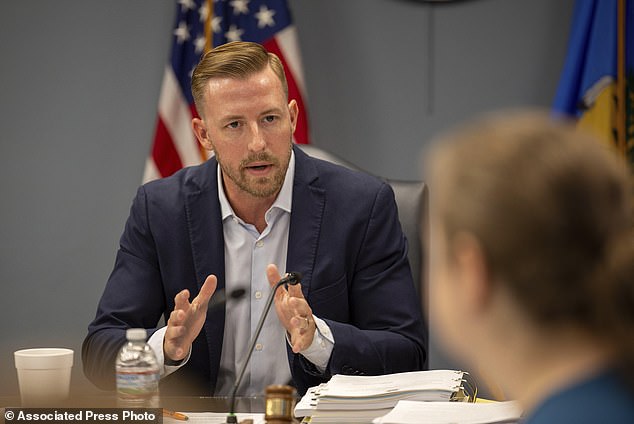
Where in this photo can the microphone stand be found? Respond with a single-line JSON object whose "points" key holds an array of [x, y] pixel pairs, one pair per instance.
{"points": [[291, 278]]}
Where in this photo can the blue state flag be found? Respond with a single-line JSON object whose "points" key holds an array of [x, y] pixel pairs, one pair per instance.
{"points": [[588, 84]]}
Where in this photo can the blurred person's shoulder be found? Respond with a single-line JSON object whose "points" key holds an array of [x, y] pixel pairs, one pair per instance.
{"points": [[602, 398]]}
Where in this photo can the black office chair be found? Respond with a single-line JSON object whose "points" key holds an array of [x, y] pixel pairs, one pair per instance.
{"points": [[412, 203]]}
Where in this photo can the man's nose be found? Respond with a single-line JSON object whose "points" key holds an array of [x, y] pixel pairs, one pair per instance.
{"points": [[256, 143]]}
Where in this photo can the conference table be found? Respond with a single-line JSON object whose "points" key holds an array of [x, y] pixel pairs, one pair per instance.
{"points": [[181, 403]]}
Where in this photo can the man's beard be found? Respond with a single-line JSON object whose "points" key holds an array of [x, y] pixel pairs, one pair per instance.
{"points": [[258, 186]]}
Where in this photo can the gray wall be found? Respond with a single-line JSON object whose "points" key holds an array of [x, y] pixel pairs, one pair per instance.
{"points": [[79, 83]]}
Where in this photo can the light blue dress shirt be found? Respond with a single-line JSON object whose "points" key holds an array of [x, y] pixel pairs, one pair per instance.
{"points": [[247, 254]]}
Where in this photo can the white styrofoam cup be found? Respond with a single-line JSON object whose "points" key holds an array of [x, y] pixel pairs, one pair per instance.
{"points": [[43, 375]]}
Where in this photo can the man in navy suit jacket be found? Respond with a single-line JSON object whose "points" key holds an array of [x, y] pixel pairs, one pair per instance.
{"points": [[356, 305]]}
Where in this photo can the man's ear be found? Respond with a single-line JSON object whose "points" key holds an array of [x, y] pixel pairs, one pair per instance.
{"points": [[202, 135], [293, 110], [473, 272]]}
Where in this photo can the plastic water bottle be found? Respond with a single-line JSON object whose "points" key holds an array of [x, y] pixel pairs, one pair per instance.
{"points": [[137, 372]]}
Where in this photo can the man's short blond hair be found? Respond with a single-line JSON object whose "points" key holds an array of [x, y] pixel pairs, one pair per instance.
{"points": [[239, 60]]}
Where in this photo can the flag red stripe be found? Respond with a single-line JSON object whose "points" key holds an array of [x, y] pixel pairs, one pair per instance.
{"points": [[163, 151], [301, 132]]}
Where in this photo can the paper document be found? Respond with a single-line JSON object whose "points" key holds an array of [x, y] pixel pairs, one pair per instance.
{"points": [[347, 417], [407, 412], [354, 386], [214, 418], [359, 399]]}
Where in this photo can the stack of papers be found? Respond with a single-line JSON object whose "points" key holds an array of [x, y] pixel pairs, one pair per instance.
{"points": [[407, 412], [360, 399]]}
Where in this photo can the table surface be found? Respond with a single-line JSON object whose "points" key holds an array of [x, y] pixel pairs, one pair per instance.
{"points": [[174, 403]]}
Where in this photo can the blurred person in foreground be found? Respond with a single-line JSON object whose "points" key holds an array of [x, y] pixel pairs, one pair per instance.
{"points": [[258, 208], [532, 265]]}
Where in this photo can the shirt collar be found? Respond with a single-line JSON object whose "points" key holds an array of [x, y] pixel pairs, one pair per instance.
{"points": [[284, 198]]}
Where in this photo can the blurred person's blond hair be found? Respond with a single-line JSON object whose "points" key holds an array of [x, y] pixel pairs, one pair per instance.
{"points": [[551, 208]]}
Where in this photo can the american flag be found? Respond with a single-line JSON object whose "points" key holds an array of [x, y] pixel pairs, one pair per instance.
{"points": [[200, 25]]}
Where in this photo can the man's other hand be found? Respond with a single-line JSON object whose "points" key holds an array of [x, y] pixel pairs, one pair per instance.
{"points": [[293, 311], [186, 320]]}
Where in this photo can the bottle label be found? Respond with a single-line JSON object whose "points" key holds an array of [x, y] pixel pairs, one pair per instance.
{"points": [[132, 384]]}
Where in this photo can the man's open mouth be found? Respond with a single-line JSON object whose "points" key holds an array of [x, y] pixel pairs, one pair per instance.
{"points": [[258, 167]]}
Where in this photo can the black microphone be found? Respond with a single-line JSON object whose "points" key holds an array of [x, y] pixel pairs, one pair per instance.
{"points": [[291, 278], [220, 297]]}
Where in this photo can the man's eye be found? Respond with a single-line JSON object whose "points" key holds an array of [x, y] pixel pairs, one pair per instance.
{"points": [[270, 118], [234, 124]]}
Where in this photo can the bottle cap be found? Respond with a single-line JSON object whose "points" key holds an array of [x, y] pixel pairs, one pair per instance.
{"points": [[136, 334]]}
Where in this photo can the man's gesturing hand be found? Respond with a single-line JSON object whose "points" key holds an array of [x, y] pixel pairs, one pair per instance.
{"points": [[293, 311], [186, 320]]}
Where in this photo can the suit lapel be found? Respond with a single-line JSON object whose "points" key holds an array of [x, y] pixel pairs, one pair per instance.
{"points": [[205, 224], [207, 244], [307, 211]]}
